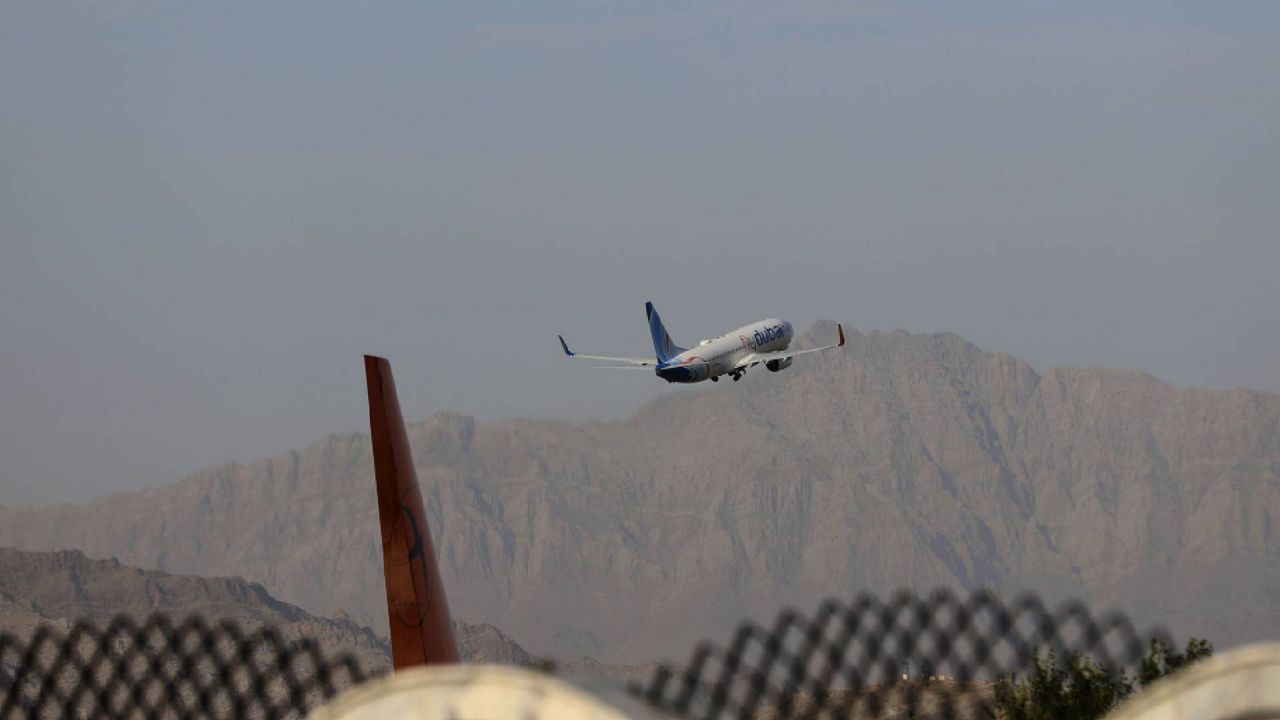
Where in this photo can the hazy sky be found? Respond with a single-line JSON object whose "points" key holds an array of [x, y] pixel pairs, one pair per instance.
{"points": [[209, 211]]}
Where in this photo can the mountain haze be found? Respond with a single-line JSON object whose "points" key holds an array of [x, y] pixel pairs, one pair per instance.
{"points": [[58, 589], [904, 460]]}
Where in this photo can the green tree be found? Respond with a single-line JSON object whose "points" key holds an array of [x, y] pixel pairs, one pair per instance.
{"points": [[1081, 690], [1084, 690], [1163, 660]]}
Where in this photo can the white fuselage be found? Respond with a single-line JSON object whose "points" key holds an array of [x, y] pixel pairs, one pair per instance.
{"points": [[727, 353]]}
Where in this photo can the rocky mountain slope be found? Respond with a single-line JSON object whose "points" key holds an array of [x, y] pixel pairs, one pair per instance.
{"points": [[60, 588], [902, 461]]}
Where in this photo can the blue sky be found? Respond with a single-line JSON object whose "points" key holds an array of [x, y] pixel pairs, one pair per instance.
{"points": [[209, 212]]}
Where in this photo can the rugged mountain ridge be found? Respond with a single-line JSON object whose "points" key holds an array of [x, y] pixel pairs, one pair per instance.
{"points": [[61, 588], [905, 460]]}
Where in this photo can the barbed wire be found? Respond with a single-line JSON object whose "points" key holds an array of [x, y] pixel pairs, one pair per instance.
{"points": [[935, 656], [157, 669]]}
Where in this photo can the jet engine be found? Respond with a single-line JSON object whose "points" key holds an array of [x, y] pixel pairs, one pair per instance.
{"points": [[776, 365]]}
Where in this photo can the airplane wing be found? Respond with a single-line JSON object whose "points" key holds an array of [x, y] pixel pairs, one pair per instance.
{"points": [[639, 362], [754, 358]]}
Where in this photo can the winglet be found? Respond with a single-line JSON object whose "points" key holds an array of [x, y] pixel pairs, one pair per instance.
{"points": [[421, 628], [839, 329], [565, 345]]}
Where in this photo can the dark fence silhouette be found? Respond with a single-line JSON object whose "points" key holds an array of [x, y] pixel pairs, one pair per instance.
{"points": [[938, 655], [158, 669], [912, 656]]}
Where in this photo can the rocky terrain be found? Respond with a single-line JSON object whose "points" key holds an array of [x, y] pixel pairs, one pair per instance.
{"points": [[60, 588], [904, 460]]}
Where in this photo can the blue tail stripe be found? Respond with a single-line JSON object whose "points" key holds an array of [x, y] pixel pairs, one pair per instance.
{"points": [[663, 347]]}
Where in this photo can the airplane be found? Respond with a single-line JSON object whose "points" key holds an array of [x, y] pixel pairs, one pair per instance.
{"points": [[729, 354]]}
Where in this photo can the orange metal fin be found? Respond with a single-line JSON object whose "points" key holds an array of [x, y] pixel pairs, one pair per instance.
{"points": [[421, 628]]}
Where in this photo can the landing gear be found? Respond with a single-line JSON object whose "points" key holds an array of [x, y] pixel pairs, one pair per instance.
{"points": [[738, 375], [715, 379]]}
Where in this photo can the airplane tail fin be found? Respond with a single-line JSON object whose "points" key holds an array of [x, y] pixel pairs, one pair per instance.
{"points": [[421, 628], [662, 345]]}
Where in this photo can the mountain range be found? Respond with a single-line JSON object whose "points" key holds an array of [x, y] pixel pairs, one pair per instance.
{"points": [[58, 589], [903, 461]]}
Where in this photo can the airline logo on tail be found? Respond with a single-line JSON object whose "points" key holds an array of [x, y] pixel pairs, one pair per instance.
{"points": [[662, 345], [420, 624]]}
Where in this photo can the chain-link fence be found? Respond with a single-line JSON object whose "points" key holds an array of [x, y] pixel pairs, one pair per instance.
{"points": [[911, 656], [159, 669]]}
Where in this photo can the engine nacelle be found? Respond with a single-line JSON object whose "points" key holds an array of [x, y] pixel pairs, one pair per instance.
{"points": [[776, 365]]}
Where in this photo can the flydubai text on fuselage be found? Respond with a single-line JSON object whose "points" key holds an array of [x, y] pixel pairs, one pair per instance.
{"points": [[729, 354]]}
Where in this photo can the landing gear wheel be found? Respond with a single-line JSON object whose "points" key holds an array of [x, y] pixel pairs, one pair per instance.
{"points": [[715, 379], [737, 377]]}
